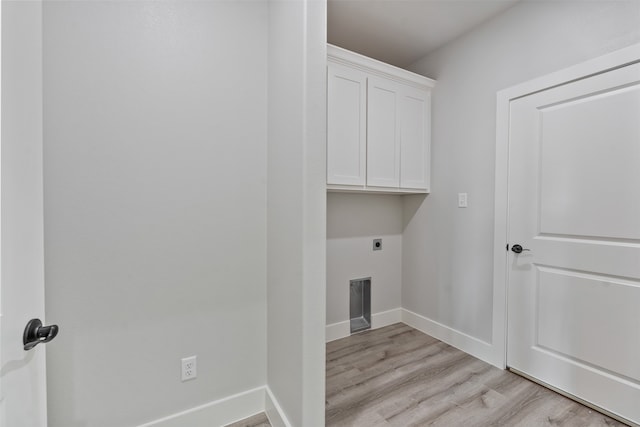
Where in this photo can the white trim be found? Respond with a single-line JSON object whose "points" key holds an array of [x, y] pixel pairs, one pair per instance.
{"points": [[598, 65], [617, 59], [338, 188], [378, 320], [228, 410], [2, 410], [500, 237], [471, 345], [369, 65], [335, 331], [217, 413], [386, 318], [276, 415]]}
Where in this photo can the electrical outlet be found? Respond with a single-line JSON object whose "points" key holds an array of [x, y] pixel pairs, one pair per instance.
{"points": [[462, 200], [189, 370]]}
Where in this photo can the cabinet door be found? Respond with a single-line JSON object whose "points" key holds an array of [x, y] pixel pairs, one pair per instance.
{"points": [[415, 136], [346, 125], [383, 132]]}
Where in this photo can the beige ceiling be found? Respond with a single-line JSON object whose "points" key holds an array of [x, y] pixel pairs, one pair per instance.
{"points": [[400, 32]]}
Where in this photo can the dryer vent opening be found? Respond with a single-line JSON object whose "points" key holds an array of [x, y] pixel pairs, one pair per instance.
{"points": [[360, 304]]}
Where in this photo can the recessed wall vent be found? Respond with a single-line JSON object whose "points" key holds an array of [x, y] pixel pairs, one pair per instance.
{"points": [[360, 304]]}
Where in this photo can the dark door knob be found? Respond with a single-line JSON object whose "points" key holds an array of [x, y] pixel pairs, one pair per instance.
{"points": [[518, 249], [35, 333]]}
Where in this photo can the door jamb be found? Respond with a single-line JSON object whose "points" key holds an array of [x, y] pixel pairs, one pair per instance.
{"points": [[616, 59], [1, 393]]}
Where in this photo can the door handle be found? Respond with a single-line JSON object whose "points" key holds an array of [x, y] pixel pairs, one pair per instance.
{"points": [[518, 249], [35, 333]]}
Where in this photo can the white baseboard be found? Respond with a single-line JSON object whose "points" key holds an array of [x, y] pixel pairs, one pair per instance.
{"points": [[336, 331], [243, 405], [378, 320], [386, 318], [473, 346], [274, 411], [228, 410]]}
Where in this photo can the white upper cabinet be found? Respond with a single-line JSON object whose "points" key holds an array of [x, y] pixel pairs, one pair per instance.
{"points": [[346, 125], [378, 126], [383, 133], [415, 126]]}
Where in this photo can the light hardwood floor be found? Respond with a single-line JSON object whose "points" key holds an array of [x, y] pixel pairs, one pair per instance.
{"points": [[259, 420], [398, 376]]}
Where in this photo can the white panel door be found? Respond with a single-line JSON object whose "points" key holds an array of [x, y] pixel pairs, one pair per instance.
{"points": [[414, 138], [383, 133], [346, 125], [22, 373], [574, 203]]}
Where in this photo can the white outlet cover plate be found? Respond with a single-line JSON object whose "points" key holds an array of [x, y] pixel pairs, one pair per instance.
{"points": [[189, 368], [462, 200]]}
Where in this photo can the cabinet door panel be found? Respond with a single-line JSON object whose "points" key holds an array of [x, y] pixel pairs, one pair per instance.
{"points": [[346, 126], [383, 130], [414, 139]]}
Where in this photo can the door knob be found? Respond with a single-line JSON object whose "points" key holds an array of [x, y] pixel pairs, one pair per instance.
{"points": [[518, 249], [35, 333]]}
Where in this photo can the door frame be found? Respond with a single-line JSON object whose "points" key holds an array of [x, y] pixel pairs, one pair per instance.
{"points": [[617, 59], [1, 393], [22, 267]]}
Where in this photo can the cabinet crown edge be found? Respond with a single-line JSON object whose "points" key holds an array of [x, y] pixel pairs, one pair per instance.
{"points": [[340, 55]]}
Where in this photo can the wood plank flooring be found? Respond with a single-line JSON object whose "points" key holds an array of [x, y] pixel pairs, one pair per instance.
{"points": [[259, 420], [398, 376]]}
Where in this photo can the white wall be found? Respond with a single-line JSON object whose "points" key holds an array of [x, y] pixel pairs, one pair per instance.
{"points": [[296, 233], [353, 221], [448, 252], [155, 123]]}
